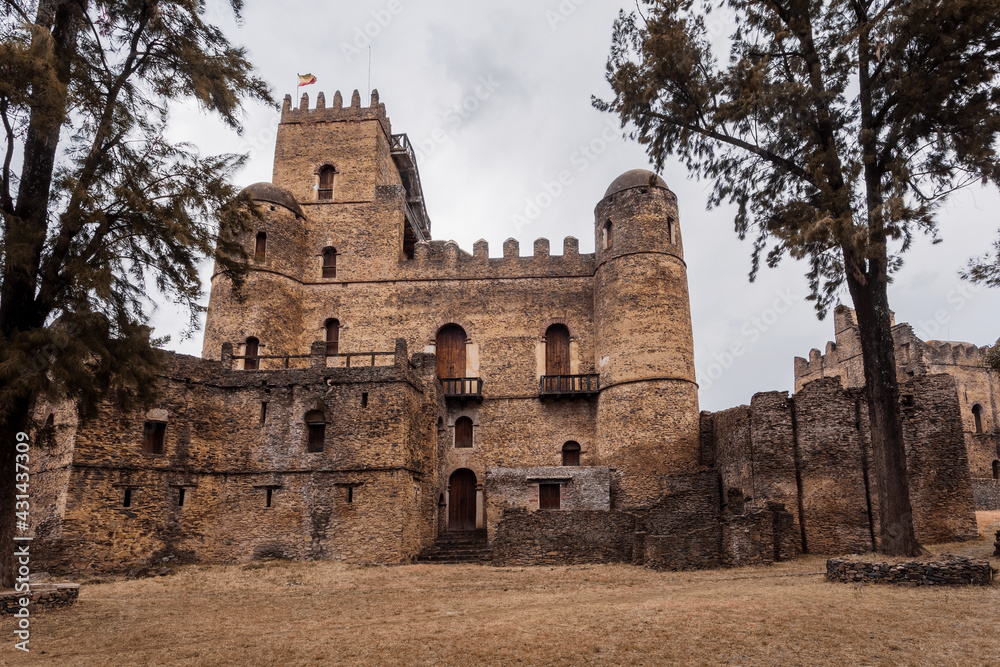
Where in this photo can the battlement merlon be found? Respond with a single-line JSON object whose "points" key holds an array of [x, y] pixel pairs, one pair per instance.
{"points": [[400, 148]]}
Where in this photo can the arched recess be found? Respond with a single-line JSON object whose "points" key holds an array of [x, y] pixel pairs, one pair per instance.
{"points": [[329, 262], [250, 352], [260, 247], [463, 432], [332, 327], [449, 347], [462, 500], [571, 453], [977, 417]]}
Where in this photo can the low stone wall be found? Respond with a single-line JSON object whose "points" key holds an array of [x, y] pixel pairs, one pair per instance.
{"points": [[986, 493], [951, 571], [42, 596], [563, 537], [758, 537]]}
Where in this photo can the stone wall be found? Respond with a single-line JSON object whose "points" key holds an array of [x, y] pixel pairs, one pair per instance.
{"points": [[683, 530], [41, 596], [976, 386], [564, 537], [582, 488], [951, 571], [986, 493], [811, 453]]}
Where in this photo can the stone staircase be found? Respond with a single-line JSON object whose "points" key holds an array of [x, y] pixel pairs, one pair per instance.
{"points": [[467, 547]]}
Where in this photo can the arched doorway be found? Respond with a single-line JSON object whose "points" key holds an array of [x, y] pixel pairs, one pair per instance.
{"points": [[450, 350], [462, 500]]}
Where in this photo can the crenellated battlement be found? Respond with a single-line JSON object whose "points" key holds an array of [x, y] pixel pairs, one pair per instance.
{"points": [[336, 112], [436, 257]]}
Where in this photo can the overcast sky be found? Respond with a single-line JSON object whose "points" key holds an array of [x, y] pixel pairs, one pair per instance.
{"points": [[535, 65]]}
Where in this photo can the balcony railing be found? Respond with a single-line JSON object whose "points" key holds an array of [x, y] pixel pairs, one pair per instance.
{"points": [[463, 387], [569, 385]]}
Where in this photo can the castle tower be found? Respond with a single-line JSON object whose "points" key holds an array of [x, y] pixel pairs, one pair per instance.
{"points": [[647, 412], [345, 206]]}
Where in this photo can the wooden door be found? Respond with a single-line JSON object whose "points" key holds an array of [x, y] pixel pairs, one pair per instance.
{"points": [[462, 500], [450, 350], [557, 356], [548, 496]]}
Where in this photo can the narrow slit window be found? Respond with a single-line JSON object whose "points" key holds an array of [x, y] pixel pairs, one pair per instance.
{"points": [[350, 494], [996, 470], [260, 249], [180, 496], [548, 496], [267, 500], [316, 427], [250, 353], [364, 400], [329, 262], [263, 412], [127, 500], [154, 435], [608, 234]]}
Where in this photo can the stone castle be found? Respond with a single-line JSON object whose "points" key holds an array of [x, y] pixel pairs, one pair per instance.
{"points": [[377, 396]]}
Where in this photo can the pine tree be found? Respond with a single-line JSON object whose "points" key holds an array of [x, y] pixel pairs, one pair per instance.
{"points": [[837, 128], [99, 209]]}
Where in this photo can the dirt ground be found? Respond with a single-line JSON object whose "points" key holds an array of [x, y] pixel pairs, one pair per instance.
{"points": [[290, 613]]}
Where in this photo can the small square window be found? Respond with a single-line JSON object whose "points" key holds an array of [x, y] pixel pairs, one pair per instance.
{"points": [[548, 496]]}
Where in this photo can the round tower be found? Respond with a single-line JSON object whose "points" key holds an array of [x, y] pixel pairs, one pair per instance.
{"points": [[270, 312], [647, 412]]}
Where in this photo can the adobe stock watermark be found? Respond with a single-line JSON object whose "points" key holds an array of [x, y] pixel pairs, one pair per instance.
{"points": [[551, 189], [455, 116], [750, 332], [364, 34], [958, 298], [562, 12]]}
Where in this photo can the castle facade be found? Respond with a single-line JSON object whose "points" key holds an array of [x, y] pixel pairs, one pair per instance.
{"points": [[373, 392]]}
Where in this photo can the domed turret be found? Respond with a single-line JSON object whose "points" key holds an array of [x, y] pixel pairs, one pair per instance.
{"points": [[276, 247], [647, 413]]}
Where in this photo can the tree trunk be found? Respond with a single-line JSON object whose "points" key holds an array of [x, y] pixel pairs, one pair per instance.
{"points": [[871, 305]]}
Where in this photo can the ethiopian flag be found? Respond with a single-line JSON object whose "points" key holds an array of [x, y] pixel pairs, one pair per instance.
{"points": [[306, 79]]}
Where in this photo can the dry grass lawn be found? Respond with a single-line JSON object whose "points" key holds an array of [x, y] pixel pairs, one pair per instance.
{"points": [[288, 613]]}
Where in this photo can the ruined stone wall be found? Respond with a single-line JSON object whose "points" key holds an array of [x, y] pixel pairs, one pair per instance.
{"points": [[811, 453], [976, 386], [581, 488], [367, 497], [986, 493], [683, 530]]}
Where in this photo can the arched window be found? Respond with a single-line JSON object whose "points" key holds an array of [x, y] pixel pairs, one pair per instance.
{"points": [[450, 351], [326, 175], [153, 436], [557, 357], [608, 234], [260, 250], [571, 454], [252, 350], [463, 432], [316, 426], [332, 336], [329, 262], [977, 417]]}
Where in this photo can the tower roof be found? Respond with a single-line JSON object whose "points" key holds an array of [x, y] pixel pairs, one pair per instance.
{"points": [[635, 178], [273, 194]]}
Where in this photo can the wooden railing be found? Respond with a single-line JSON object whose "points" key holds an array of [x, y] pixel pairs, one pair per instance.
{"points": [[462, 387], [569, 385]]}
